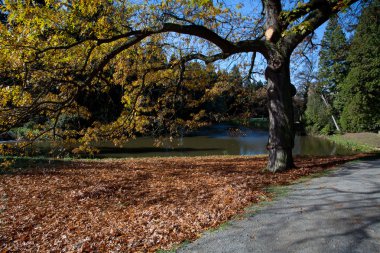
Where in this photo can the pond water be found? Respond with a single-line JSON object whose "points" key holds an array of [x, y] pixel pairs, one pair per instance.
{"points": [[222, 139]]}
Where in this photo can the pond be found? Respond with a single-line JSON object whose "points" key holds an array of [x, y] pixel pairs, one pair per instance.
{"points": [[221, 139]]}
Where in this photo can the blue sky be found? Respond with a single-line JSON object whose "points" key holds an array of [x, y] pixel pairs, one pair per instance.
{"points": [[247, 8], [318, 34]]}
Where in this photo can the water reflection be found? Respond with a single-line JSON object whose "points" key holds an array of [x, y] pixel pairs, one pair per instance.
{"points": [[219, 140]]}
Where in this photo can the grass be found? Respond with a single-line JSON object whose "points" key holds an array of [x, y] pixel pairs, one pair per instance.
{"points": [[13, 164], [278, 191], [221, 227], [174, 248], [274, 192], [352, 144], [315, 175]]}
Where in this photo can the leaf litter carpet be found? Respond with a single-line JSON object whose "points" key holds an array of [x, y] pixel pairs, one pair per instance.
{"points": [[133, 205]]}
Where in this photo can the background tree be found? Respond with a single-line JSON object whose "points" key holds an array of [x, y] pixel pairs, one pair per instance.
{"points": [[317, 113], [359, 93], [60, 49], [332, 69], [332, 65]]}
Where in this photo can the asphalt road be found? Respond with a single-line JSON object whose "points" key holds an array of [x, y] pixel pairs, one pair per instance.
{"points": [[335, 213]]}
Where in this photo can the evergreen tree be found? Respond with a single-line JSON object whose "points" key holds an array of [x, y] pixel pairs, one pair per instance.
{"points": [[235, 76], [317, 114], [332, 67], [359, 93]]}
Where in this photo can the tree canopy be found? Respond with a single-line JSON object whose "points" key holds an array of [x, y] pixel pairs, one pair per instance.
{"points": [[52, 52]]}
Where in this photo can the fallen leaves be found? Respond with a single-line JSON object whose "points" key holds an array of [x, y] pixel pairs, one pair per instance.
{"points": [[133, 205]]}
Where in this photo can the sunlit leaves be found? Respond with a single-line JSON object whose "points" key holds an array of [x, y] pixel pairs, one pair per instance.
{"points": [[15, 96], [61, 57]]}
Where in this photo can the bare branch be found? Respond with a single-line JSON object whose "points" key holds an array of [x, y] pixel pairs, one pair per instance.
{"points": [[178, 18]]}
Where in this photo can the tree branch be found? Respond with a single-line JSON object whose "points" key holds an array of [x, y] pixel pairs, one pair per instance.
{"points": [[287, 17], [250, 71], [273, 29], [114, 53], [315, 18], [199, 31]]}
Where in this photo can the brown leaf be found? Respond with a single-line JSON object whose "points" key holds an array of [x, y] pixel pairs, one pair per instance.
{"points": [[133, 205]]}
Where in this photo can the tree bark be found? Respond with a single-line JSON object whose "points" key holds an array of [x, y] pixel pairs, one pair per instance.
{"points": [[281, 122]]}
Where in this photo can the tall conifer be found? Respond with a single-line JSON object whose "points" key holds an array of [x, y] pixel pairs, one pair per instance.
{"points": [[359, 93], [332, 68]]}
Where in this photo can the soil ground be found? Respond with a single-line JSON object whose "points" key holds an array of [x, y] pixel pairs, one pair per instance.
{"points": [[133, 205]]}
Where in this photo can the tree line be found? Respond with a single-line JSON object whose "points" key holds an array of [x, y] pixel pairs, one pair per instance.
{"points": [[345, 95]]}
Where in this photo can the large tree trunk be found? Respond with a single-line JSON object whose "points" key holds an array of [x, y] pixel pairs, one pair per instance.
{"points": [[280, 106]]}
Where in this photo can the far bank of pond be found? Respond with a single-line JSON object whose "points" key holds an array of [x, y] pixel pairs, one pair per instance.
{"points": [[221, 139]]}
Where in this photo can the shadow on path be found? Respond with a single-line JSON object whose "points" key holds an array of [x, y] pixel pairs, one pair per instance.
{"points": [[336, 213]]}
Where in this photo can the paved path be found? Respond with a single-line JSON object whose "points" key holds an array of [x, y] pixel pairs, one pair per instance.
{"points": [[335, 213]]}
